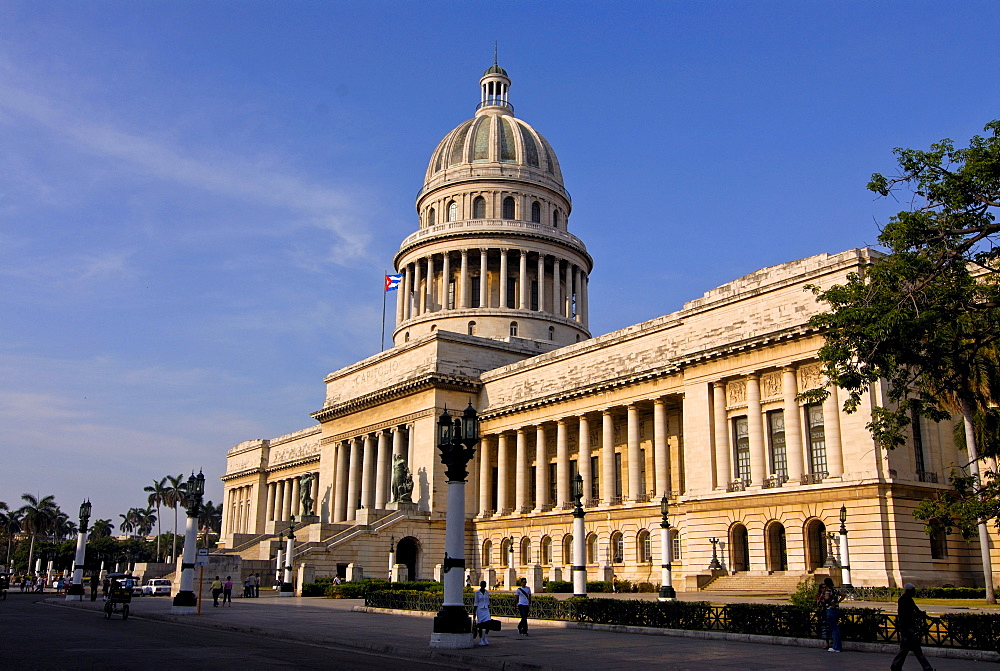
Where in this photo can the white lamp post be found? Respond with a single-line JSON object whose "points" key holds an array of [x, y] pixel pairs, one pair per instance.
{"points": [[279, 561], [456, 442], [186, 601], [579, 567], [392, 556], [287, 584], [76, 589], [667, 592], [845, 554]]}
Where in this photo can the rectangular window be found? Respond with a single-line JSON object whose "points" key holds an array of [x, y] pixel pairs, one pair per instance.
{"points": [[776, 440], [618, 474], [552, 486], [574, 469], [474, 291], [511, 292], [534, 294], [643, 489], [939, 545], [451, 296], [918, 443], [595, 478], [675, 540], [741, 441], [817, 439]]}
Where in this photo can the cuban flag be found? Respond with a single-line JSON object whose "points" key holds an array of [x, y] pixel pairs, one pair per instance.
{"points": [[392, 282]]}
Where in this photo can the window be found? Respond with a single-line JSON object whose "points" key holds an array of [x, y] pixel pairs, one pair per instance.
{"points": [[487, 552], [511, 292], [513, 329], [479, 208], [741, 440], [567, 546], [472, 328], [675, 545], [939, 544], [592, 549], [776, 440], [406, 337], [817, 439], [546, 550], [452, 211], [555, 218], [553, 478], [595, 479], [918, 444], [536, 213], [643, 547], [552, 333], [431, 217], [508, 208], [525, 551], [534, 294], [617, 548], [474, 285]]}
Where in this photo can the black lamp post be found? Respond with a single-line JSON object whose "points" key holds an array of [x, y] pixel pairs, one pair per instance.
{"points": [[457, 438], [76, 589], [186, 601], [714, 565], [579, 566], [667, 592]]}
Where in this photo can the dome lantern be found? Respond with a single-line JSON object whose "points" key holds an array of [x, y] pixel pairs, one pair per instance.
{"points": [[494, 84]]}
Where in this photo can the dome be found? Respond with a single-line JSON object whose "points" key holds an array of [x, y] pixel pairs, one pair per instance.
{"points": [[495, 70]]}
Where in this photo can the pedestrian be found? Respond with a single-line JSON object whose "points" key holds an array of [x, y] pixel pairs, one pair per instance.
{"points": [[481, 602], [106, 587], [828, 601], [216, 591], [910, 622], [523, 606], [256, 585], [248, 586], [227, 591], [93, 587]]}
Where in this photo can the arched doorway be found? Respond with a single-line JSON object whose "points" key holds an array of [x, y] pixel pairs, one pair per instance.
{"points": [[408, 553], [777, 549], [815, 534], [739, 548]]}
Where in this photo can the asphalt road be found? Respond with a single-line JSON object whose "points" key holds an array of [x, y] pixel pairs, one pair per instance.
{"points": [[37, 635]]}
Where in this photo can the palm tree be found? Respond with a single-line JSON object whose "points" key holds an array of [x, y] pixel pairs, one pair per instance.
{"points": [[175, 491], [101, 529], [209, 518], [157, 497], [127, 524], [11, 521], [37, 515], [145, 519]]}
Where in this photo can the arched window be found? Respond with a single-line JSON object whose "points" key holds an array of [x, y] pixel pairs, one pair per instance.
{"points": [[487, 552], [552, 333], [505, 552], [452, 211], [567, 549], [643, 547], [508, 208], [546, 550], [472, 328], [406, 337], [513, 329], [617, 548], [555, 218], [479, 208], [592, 549], [536, 212], [434, 327], [775, 550], [525, 551], [431, 217], [815, 536]]}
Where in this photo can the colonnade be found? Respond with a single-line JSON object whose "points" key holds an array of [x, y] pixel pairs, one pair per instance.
{"points": [[284, 498], [238, 505], [561, 284], [363, 470]]}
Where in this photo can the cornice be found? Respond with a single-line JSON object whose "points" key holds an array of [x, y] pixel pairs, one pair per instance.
{"points": [[399, 390]]}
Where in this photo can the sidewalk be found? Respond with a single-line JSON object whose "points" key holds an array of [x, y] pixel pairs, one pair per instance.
{"points": [[342, 623]]}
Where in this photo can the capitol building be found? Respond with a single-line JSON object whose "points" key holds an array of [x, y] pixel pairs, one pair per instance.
{"points": [[702, 406]]}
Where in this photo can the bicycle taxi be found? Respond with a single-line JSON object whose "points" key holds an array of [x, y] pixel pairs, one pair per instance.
{"points": [[119, 595]]}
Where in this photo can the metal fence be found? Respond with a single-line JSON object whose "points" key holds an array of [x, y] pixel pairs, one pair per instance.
{"points": [[869, 625]]}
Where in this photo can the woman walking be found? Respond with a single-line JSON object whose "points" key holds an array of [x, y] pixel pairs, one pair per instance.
{"points": [[482, 606]]}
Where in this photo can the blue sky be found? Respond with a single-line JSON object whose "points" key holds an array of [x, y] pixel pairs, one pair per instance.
{"points": [[198, 199]]}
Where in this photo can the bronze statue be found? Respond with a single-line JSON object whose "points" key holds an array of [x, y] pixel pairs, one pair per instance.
{"points": [[402, 481], [305, 494]]}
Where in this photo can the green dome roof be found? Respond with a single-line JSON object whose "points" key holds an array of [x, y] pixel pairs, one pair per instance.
{"points": [[495, 70]]}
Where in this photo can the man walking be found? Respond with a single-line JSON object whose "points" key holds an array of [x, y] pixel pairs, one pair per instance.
{"points": [[909, 624], [523, 606]]}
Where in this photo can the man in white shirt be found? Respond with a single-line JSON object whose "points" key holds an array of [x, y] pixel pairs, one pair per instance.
{"points": [[523, 605]]}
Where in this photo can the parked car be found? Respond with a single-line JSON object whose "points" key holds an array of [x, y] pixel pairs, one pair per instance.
{"points": [[157, 587]]}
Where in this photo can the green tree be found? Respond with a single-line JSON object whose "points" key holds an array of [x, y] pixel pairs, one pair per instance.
{"points": [[102, 529], [924, 318], [175, 493], [10, 520], [157, 497], [37, 516]]}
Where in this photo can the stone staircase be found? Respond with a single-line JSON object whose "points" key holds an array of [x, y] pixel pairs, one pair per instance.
{"points": [[347, 535], [746, 583]]}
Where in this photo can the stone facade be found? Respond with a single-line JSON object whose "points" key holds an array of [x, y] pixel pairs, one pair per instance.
{"points": [[702, 406]]}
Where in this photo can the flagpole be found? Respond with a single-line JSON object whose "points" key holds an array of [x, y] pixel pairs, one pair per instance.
{"points": [[381, 342]]}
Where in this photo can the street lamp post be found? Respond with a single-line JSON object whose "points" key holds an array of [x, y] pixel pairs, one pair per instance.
{"points": [[667, 592], [288, 584], [76, 589], [845, 554], [456, 441], [831, 557], [579, 540], [715, 565], [392, 555], [186, 601]]}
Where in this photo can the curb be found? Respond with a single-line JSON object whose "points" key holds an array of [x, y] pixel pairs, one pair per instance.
{"points": [[885, 648]]}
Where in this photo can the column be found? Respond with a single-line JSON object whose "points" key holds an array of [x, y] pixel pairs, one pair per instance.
{"points": [[407, 292], [296, 500], [354, 479], [634, 461], [568, 298], [417, 293], [793, 429], [485, 474], [755, 429], [556, 306], [429, 291], [286, 504], [483, 283], [463, 290], [541, 289], [279, 500], [523, 301], [541, 467], [576, 279], [269, 507], [382, 470], [661, 454], [368, 474], [607, 457], [411, 446], [503, 460], [583, 460], [584, 302], [723, 450], [562, 466], [398, 445], [340, 483], [503, 278], [445, 280], [831, 431], [521, 471]]}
